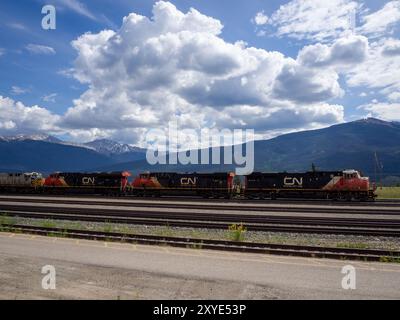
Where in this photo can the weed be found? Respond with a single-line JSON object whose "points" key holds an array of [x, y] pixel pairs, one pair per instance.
{"points": [[389, 259], [48, 224], [236, 232], [351, 245]]}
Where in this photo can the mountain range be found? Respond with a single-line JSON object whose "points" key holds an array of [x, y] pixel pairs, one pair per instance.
{"points": [[46, 153], [347, 145]]}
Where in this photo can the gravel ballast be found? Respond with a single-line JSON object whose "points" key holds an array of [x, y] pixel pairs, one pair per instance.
{"points": [[349, 241]]}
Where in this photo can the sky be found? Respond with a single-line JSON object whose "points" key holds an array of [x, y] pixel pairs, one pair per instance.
{"points": [[115, 69]]}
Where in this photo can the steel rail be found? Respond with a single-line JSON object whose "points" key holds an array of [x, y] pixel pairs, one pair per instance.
{"points": [[232, 207], [248, 247], [252, 226], [210, 216], [188, 199]]}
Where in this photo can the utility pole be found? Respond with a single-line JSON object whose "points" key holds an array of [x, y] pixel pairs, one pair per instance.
{"points": [[378, 169]]}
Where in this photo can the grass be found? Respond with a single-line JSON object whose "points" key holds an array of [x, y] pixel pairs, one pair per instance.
{"points": [[6, 220], [388, 192], [165, 231], [389, 259], [48, 224], [351, 245], [108, 227], [75, 225], [237, 231]]}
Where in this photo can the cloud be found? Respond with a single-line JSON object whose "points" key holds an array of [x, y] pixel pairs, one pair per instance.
{"points": [[176, 66], [303, 85], [260, 18], [346, 51], [2, 51], [385, 111], [380, 70], [50, 97], [40, 49], [314, 20], [78, 7], [391, 47], [17, 26], [394, 96], [379, 22], [16, 117], [18, 90]]}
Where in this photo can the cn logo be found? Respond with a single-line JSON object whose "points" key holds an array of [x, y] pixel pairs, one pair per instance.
{"points": [[188, 181], [87, 180], [289, 181]]}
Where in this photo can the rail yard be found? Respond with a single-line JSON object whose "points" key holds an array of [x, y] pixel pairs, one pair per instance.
{"points": [[241, 232], [379, 219]]}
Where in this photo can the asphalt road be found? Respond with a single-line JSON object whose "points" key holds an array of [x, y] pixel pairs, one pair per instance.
{"points": [[91, 269]]}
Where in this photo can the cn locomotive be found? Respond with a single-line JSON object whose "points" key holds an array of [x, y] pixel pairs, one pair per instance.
{"points": [[208, 185], [20, 182], [91, 183], [106, 183], [333, 185]]}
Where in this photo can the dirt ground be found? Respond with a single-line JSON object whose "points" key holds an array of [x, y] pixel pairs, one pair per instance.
{"points": [[20, 278]]}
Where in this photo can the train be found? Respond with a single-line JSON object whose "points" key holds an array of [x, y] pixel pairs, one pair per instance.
{"points": [[332, 185]]}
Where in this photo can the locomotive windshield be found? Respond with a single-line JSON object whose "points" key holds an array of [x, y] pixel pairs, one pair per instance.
{"points": [[351, 174]]}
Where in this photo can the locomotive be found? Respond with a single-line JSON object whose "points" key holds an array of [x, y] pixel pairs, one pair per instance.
{"points": [[76, 182], [66, 182], [333, 185], [20, 182], [217, 184]]}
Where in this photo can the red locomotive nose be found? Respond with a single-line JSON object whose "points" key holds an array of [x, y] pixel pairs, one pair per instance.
{"points": [[361, 184]]}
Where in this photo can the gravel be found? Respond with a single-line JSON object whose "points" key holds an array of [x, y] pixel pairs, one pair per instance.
{"points": [[351, 241]]}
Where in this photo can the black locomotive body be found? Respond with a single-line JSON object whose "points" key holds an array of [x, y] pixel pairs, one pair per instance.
{"points": [[97, 182], [172, 183], [314, 184]]}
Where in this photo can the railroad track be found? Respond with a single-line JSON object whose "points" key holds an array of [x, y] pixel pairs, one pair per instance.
{"points": [[249, 247], [377, 227], [213, 206], [189, 199]]}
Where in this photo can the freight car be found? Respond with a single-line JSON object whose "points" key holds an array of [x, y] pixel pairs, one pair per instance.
{"points": [[112, 183], [334, 185], [20, 182], [171, 183]]}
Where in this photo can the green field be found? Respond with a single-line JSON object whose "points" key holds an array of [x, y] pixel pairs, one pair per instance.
{"points": [[388, 192]]}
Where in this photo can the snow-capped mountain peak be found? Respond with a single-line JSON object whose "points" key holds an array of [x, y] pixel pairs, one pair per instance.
{"points": [[106, 146], [102, 146]]}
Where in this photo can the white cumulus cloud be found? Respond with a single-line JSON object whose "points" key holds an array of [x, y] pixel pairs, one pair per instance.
{"points": [[175, 65], [347, 51], [260, 18], [15, 117]]}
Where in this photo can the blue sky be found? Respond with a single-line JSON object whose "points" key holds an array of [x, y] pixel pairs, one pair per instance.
{"points": [[42, 68]]}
